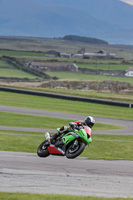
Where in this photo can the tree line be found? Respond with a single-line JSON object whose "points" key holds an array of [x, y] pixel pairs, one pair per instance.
{"points": [[84, 39]]}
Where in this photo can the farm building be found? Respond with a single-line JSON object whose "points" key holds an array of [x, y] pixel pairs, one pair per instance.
{"points": [[65, 55], [53, 66], [52, 53], [99, 54], [78, 55], [129, 72]]}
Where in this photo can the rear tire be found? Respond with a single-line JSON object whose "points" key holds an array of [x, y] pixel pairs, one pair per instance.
{"points": [[42, 150], [70, 153]]}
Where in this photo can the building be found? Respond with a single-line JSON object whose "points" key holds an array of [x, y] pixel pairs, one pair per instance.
{"points": [[78, 55], [53, 66], [52, 53], [99, 54], [65, 55], [129, 73]]}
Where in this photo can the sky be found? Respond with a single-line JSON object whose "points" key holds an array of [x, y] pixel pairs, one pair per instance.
{"points": [[128, 1]]}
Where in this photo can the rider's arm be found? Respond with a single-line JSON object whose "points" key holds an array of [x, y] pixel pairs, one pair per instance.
{"points": [[72, 125]]}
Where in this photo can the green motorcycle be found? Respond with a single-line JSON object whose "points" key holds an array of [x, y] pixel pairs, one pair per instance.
{"points": [[71, 144]]}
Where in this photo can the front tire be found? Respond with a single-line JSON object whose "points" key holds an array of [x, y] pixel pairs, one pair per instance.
{"points": [[72, 152], [42, 150]]}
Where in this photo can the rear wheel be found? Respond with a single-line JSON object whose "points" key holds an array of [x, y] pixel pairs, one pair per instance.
{"points": [[42, 150], [75, 149]]}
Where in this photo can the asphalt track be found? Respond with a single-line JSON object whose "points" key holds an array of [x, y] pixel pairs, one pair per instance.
{"points": [[128, 124], [25, 172]]}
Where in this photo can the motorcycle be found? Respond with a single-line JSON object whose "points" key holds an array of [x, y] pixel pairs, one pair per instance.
{"points": [[71, 144]]}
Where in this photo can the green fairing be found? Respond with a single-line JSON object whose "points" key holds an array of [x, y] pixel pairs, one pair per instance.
{"points": [[70, 136], [58, 129]]}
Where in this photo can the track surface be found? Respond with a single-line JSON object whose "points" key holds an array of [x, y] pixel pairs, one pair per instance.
{"points": [[127, 123], [24, 172]]}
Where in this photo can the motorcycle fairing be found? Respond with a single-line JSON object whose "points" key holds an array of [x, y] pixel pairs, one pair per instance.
{"points": [[68, 137], [53, 150], [88, 130]]}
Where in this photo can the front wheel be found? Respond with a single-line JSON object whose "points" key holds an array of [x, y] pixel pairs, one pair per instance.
{"points": [[75, 150], [42, 150]]}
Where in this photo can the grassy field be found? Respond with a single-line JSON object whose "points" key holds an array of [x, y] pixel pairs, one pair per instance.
{"points": [[45, 44], [30, 55], [89, 94], [33, 121], [116, 147], [45, 103], [21, 53], [109, 147], [95, 63], [106, 66], [15, 73], [4, 64], [9, 71], [88, 77], [25, 196]]}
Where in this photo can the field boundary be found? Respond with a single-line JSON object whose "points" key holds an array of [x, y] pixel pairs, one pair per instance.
{"points": [[67, 97]]}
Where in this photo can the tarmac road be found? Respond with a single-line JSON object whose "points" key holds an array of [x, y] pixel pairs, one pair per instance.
{"points": [[26, 172], [128, 124]]}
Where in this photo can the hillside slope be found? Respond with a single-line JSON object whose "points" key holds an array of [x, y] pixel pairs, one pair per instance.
{"points": [[110, 20]]}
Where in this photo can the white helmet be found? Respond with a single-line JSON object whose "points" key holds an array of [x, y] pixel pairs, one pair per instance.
{"points": [[89, 121]]}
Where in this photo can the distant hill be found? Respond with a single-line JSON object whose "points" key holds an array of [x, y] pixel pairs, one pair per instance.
{"points": [[84, 39], [109, 20]]}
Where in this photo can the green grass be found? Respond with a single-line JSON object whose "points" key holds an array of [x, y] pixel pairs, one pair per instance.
{"points": [[66, 106], [113, 147], [22, 132], [20, 53], [79, 76], [111, 150], [106, 66], [10, 73], [89, 94], [34, 121], [4, 64], [25, 196], [30, 121]]}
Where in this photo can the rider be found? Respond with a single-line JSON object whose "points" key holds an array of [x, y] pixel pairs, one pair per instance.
{"points": [[89, 121]]}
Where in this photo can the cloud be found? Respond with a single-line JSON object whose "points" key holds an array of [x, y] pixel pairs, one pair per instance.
{"points": [[128, 1]]}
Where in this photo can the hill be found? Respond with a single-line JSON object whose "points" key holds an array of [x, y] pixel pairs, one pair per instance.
{"points": [[111, 20], [84, 39]]}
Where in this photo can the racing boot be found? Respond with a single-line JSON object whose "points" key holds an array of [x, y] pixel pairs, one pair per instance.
{"points": [[62, 130]]}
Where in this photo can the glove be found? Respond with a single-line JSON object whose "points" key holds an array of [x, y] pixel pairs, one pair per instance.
{"points": [[73, 125], [80, 126]]}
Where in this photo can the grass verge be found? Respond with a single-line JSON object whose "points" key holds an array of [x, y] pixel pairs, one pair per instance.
{"points": [[25, 196], [67, 106], [88, 94], [114, 147], [34, 121]]}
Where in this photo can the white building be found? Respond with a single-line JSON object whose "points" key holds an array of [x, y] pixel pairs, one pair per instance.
{"points": [[129, 73]]}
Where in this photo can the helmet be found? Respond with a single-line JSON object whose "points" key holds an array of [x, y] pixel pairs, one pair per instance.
{"points": [[89, 121]]}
